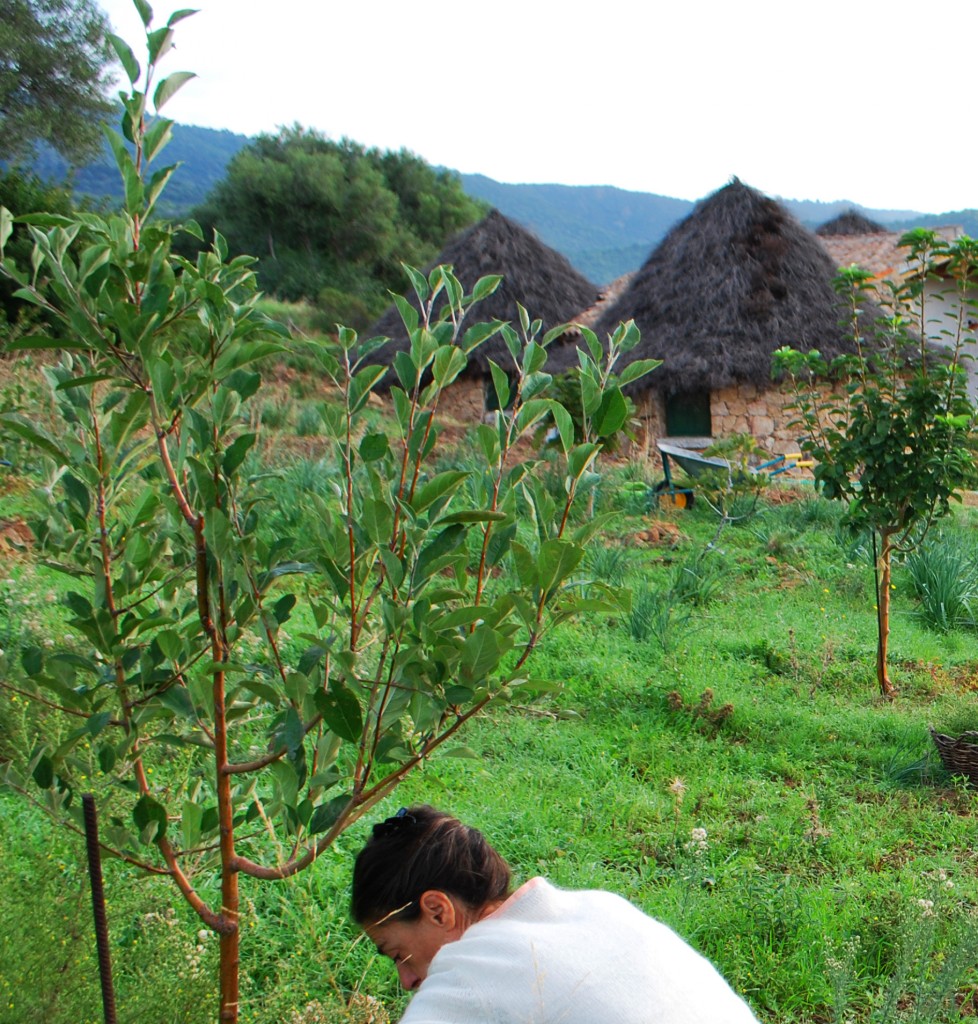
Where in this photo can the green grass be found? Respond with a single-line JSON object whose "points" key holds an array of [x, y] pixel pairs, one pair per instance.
{"points": [[826, 818]]}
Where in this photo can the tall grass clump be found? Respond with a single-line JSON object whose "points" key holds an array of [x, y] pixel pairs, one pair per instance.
{"points": [[699, 580], [657, 615], [943, 575], [609, 564]]}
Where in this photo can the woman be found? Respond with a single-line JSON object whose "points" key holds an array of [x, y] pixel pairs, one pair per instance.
{"points": [[434, 896]]}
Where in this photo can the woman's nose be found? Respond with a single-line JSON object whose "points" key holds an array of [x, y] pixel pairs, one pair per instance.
{"points": [[410, 979]]}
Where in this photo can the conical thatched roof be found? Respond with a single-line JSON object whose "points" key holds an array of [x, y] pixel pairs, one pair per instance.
{"points": [[533, 274], [849, 223], [735, 280]]}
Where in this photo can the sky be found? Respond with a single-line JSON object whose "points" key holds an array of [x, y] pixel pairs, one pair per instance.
{"points": [[863, 100]]}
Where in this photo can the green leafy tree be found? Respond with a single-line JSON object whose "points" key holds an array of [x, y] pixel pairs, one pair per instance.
{"points": [[893, 440], [405, 629], [23, 191], [54, 71], [323, 215]]}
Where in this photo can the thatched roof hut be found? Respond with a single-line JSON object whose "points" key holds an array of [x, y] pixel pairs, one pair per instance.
{"points": [[735, 280], [538, 277], [849, 223]]}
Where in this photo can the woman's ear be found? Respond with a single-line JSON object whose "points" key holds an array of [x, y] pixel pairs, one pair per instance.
{"points": [[438, 909]]}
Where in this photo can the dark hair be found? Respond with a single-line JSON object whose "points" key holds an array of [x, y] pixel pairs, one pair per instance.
{"points": [[420, 849]]}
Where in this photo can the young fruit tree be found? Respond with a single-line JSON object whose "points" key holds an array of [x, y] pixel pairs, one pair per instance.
{"points": [[416, 591], [892, 439]]}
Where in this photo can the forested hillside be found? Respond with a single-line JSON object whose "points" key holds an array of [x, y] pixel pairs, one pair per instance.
{"points": [[604, 231], [203, 153]]}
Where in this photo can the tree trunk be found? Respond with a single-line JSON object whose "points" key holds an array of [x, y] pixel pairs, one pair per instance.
{"points": [[887, 689], [230, 932], [230, 959]]}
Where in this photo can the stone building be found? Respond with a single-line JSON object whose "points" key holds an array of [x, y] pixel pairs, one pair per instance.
{"points": [[730, 284], [534, 275], [949, 314]]}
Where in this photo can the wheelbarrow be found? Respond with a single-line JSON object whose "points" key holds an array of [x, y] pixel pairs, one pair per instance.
{"points": [[677, 495]]}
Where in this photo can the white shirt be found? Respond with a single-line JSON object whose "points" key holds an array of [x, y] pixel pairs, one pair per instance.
{"points": [[552, 956]]}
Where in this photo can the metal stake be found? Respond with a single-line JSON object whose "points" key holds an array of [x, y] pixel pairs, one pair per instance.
{"points": [[98, 908]]}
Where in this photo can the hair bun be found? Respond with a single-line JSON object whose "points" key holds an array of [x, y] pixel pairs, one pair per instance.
{"points": [[399, 822]]}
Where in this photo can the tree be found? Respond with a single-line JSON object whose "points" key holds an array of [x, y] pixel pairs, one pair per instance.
{"points": [[333, 215], [406, 629], [894, 444], [24, 191], [54, 71]]}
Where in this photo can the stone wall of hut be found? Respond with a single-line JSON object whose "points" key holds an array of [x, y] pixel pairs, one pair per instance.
{"points": [[738, 409], [463, 404], [747, 409]]}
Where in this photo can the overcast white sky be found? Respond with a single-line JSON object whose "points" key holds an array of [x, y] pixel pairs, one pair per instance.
{"points": [[868, 101]]}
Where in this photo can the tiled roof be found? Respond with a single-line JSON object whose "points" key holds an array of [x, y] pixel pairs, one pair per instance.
{"points": [[609, 294], [879, 253]]}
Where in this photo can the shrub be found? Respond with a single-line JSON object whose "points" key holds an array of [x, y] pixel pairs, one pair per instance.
{"points": [[943, 576]]}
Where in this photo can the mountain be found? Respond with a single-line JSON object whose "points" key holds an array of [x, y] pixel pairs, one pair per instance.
{"points": [[203, 152], [604, 231]]}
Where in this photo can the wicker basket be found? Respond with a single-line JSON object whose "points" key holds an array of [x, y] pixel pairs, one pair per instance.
{"points": [[959, 755]]}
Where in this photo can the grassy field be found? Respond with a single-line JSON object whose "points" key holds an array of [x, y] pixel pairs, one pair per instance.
{"points": [[719, 756]]}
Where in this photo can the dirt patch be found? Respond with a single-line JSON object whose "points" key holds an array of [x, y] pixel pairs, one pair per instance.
{"points": [[659, 533], [784, 495], [16, 539]]}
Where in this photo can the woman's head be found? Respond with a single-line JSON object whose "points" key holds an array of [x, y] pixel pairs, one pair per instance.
{"points": [[421, 879], [421, 849]]}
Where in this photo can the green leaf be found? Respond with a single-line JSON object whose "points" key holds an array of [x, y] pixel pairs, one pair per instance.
{"points": [[407, 372], [460, 617], [483, 515], [374, 447], [636, 369], [191, 820], [363, 383], [448, 363], [106, 758], [485, 287], [177, 699], [408, 314], [43, 773], [340, 710], [326, 815], [18, 425], [146, 813], [535, 384], [481, 654], [438, 487], [6, 226], [145, 12], [557, 560], [292, 733], [611, 414], [526, 565], [282, 608], [176, 16], [217, 530], [158, 43], [418, 281], [500, 383], [431, 557], [126, 57], [466, 752], [235, 453], [170, 85], [580, 458], [96, 723]]}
